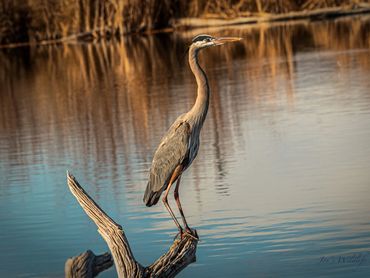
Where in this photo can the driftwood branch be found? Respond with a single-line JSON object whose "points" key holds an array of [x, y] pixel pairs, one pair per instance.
{"points": [[87, 265], [181, 253]]}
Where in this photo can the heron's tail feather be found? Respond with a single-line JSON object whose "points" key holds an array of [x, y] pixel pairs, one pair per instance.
{"points": [[151, 197]]}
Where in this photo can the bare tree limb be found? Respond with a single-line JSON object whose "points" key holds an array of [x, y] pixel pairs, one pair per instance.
{"points": [[87, 265], [181, 253]]}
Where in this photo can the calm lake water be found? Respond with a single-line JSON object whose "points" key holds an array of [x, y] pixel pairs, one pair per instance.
{"points": [[281, 184]]}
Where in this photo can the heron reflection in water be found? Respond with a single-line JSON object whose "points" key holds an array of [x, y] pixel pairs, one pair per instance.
{"points": [[179, 146]]}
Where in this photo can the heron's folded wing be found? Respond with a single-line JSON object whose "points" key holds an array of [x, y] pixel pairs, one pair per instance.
{"points": [[171, 152]]}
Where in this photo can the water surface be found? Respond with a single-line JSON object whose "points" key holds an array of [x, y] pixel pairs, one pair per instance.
{"points": [[281, 184]]}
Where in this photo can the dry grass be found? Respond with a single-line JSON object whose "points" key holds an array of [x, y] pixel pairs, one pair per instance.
{"points": [[37, 20], [40, 20], [241, 8]]}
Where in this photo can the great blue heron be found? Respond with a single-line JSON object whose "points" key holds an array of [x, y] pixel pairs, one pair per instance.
{"points": [[180, 145]]}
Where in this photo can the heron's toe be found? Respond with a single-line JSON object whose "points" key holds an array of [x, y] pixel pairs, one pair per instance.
{"points": [[192, 232], [180, 234]]}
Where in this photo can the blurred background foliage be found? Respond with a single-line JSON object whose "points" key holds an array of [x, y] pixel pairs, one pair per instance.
{"points": [[38, 20]]}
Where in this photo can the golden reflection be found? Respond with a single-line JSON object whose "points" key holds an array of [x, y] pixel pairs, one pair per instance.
{"points": [[111, 98]]}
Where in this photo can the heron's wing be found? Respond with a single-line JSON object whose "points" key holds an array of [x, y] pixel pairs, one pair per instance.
{"points": [[171, 152]]}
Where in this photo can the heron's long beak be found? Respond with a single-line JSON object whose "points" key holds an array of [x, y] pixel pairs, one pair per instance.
{"points": [[222, 40]]}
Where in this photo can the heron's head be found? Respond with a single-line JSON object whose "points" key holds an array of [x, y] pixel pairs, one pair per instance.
{"points": [[203, 41]]}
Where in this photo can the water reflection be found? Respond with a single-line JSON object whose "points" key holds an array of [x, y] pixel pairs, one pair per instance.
{"points": [[286, 132]]}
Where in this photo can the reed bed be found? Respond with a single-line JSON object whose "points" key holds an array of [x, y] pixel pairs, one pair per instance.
{"points": [[38, 20], [43, 20]]}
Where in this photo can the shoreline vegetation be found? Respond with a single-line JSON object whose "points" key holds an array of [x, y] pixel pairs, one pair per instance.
{"points": [[39, 22]]}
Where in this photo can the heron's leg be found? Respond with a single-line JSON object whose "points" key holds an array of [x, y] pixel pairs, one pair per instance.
{"points": [[177, 198], [192, 233], [175, 174]]}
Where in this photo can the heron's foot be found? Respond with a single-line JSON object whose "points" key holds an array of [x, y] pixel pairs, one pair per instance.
{"points": [[192, 233], [180, 234], [187, 232]]}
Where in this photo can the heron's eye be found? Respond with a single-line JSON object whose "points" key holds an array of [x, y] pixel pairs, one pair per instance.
{"points": [[208, 39]]}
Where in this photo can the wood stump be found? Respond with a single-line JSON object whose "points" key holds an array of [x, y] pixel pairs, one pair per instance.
{"points": [[180, 254]]}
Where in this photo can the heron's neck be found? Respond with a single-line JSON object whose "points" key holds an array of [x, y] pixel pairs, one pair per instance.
{"points": [[198, 112]]}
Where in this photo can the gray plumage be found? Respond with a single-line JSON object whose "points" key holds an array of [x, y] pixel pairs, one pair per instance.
{"points": [[172, 151], [179, 147]]}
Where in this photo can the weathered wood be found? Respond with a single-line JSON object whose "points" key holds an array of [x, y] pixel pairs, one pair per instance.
{"points": [[181, 253], [87, 265]]}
